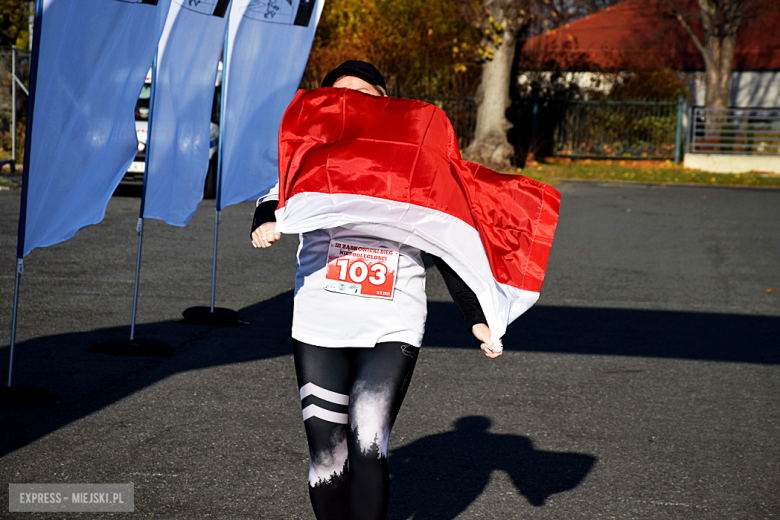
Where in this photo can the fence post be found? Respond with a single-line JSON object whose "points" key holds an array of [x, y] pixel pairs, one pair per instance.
{"points": [[534, 115], [689, 133], [678, 131]]}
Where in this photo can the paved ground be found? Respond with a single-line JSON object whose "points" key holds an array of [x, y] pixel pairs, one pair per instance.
{"points": [[645, 384]]}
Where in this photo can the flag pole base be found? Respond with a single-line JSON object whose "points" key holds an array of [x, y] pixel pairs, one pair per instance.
{"points": [[21, 395], [133, 347], [221, 317]]}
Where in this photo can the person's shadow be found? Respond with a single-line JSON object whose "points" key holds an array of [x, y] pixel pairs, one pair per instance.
{"points": [[439, 476]]}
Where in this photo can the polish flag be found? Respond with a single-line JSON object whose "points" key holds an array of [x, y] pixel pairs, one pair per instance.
{"points": [[391, 168]]}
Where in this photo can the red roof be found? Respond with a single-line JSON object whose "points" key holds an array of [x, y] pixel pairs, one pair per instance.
{"points": [[643, 34]]}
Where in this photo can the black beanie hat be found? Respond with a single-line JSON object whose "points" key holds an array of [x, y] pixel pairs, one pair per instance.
{"points": [[359, 69]]}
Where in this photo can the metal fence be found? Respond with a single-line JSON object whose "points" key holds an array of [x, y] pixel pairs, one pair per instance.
{"points": [[748, 131], [462, 112], [620, 129], [575, 128], [14, 78]]}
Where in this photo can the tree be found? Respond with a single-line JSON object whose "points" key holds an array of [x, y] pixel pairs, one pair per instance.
{"points": [[421, 46], [503, 25], [500, 22], [721, 21], [14, 16]]}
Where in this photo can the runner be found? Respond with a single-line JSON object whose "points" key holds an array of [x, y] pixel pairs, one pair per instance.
{"points": [[358, 322]]}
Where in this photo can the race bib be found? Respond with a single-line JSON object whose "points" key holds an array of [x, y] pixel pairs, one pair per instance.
{"points": [[361, 271]]}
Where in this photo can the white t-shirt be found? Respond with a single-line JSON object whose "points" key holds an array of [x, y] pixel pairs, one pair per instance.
{"points": [[330, 319]]}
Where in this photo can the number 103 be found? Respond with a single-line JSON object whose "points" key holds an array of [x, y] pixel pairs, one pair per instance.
{"points": [[359, 271]]}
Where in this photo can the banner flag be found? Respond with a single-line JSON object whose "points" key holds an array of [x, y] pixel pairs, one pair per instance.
{"points": [[92, 58], [391, 168], [267, 50], [179, 144]]}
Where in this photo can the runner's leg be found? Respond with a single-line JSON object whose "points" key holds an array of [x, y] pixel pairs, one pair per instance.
{"points": [[382, 375], [324, 379]]}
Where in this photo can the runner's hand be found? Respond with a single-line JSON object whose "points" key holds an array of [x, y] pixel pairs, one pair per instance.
{"points": [[265, 235], [482, 333]]}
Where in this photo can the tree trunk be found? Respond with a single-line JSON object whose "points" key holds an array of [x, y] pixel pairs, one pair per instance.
{"points": [[720, 44], [490, 146], [721, 22], [718, 85]]}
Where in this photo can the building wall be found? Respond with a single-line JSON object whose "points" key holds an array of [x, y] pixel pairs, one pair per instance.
{"points": [[697, 88], [747, 89], [755, 89]]}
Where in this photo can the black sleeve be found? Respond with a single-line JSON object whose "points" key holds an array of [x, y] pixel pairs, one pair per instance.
{"points": [[264, 213], [464, 297]]}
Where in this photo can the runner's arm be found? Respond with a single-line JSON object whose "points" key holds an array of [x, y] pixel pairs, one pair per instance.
{"points": [[263, 232], [462, 295], [264, 212], [469, 308]]}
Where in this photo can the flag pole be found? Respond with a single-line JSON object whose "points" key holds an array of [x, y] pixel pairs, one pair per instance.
{"points": [[19, 271], [139, 346], [217, 219], [140, 225], [12, 395], [140, 229], [218, 198], [219, 316]]}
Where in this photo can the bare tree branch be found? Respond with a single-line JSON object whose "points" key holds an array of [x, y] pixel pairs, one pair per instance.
{"points": [[735, 15], [681, 19]]}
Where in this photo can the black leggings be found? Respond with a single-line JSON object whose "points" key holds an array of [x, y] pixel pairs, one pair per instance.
{"points": [[350, 399]]}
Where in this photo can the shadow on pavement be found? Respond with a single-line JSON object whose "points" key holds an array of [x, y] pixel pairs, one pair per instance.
{"points": [[457, 464], [85, 382], [621, 332]]}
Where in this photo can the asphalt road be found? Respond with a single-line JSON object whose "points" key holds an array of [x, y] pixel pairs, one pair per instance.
{"points": [[644, 385]]}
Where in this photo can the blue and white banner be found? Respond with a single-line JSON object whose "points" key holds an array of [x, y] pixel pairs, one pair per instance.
{"points": [[182, 138], [92, 58], [268, 46]]}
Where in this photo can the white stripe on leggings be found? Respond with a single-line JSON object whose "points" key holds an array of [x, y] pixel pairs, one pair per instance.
{"points": [[326, 415], [318, 391]]}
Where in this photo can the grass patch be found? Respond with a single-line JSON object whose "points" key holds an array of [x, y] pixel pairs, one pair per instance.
{"points": [[7, 183], [644, 171]]}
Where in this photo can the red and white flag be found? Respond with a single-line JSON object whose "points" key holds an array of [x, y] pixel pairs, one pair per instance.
{"points": [[391, 168]]}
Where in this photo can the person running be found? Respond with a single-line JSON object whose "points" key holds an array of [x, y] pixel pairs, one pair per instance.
{"points": [[354, 356]]}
